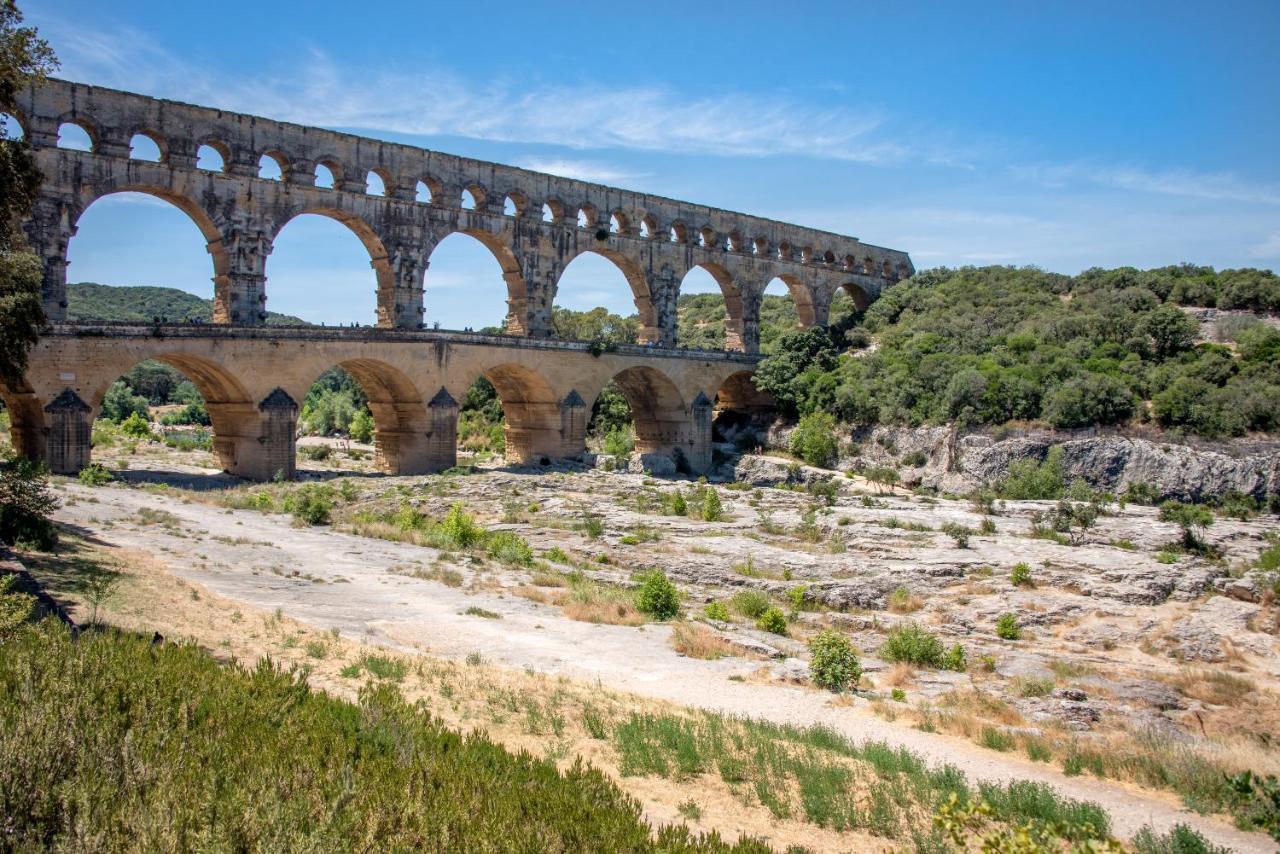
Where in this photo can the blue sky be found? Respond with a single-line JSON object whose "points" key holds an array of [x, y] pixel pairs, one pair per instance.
{"points": [[1060, 134]]}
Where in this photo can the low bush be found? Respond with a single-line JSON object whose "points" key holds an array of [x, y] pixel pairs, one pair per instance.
{"points": [[750, 603], [95, 474], [1180, 839], [136, 426], [25, 504], [911, 644], [295, 769], [814, 440], [1007, 627], [772, 620], [310, 504], [510, 548], [833, 663], [959, 533], [658, 597], [716, 611], [1021, 575]]}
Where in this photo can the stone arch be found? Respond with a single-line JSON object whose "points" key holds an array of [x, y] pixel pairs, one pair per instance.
{"points": [[218, 149], [553, 211], [737, 404], [146, 135], [90, 129], [12, 121], [517, 291], [432, 188], [639, 284], [802, 296], [648, 227], [281, 161], [384, 275], [399, 413], [515, 203], [209, 228], [378, 182], [531, 412], [26, 421], [858, 294], [738, 319], [657, 408], [232, 414]]}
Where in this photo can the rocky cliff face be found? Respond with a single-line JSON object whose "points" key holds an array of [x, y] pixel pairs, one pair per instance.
{"points": [[957, 463]]}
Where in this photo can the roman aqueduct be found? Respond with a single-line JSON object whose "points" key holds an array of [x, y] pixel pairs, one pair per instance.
{"points": [[241, 179]]}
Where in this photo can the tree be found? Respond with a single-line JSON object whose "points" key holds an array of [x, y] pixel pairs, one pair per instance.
{"points": [[120, 402], [25, 503], [1170, 329], [833, 663], [780, 374], [814, 440], [658, 597], [24, 59], [1089, 399]]}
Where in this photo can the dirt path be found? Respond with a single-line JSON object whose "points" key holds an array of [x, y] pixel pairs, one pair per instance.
{"points": [[359, 586]]}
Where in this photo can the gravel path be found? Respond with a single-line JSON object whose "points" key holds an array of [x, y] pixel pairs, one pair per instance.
{"points": [[250, 557]]}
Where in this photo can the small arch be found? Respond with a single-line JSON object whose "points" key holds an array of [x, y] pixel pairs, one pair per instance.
{"points": [[806, 254], [648, 227], [618, 223], [552, 211], [707, 237], [861, 299], [785, 251], [828, 257], [376, 183], [902, 272], [586, 216], [473, 198], [886, 270], [760, 246], [77, 136], [849, 264], [426, 190], [272, 166], [325, 177], [145, 146], [514, 204], [212, 157], [734, 242], [868, 266], [11, 127], [679, 232]]}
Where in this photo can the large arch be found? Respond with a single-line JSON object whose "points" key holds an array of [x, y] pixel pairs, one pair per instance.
{"points": [[635, 278], [738, 405], [517, 314], [399, 414], [657, 408], [531, 413], [384, 276], [194, 212], [739, 333]]}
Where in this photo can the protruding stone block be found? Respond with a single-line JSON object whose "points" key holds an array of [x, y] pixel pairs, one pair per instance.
{"points": [[573, 426], [278, 437], [698, 451], [442, 437], [67, 446]]}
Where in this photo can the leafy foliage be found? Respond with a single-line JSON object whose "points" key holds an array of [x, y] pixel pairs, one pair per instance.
{"points": [[910, 643], [658, 597], [143, 304], [296, 769], [994, 344], [833, 662], [814, 439], [25, 504]]}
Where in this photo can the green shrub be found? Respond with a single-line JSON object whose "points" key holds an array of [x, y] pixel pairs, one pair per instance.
{"points": [[192, 414], [95, 474], [674, 503], [1190, 518], [1007, 627], [296, 769], [458, 529], [986, 527], [716, 611], [814, 440], [915, 459], [959, 533], [833, 663], [362, 426], [955, 659], [556, 555], [772, 620], [620, 441], [310, 504], [712, 510], [796, 596], [315, 453], [510, 548], [1181, 839], [658, 597], [912, 644], [1021, 575], [592, 525], [1029, 479], [750, 603], [136, 426], [25, 504]]}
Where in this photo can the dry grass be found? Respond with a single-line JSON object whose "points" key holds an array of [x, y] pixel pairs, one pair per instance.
{"points": [[698, 641], [1213, 686], [899, 675], [588, 602]]}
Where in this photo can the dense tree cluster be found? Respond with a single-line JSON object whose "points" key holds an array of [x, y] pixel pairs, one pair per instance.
{"points": [[995, 344]]}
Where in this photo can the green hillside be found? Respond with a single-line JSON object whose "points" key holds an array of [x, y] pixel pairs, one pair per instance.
{"points": [[91, 301]]}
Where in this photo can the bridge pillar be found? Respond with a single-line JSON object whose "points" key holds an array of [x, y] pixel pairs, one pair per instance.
{"points": [[664, 292], [239, 294], [533, 432], [401, 305], [742, 327], [697, 450], [48, 231], [573, 426], [67, 444], [278, 458], [404, 448], [442, 436]]}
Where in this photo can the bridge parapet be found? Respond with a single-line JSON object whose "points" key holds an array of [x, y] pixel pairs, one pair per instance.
{"points": [[535, 224]]}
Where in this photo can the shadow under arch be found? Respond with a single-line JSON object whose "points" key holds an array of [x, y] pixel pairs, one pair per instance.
{"points": [[399, 414], [26, 421], [530, 411], [369, 239], [517, 318], [657, 408], [738, 405], [640, 292], [861, 299]]}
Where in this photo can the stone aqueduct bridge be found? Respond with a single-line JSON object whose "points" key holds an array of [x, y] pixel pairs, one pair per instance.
{"points": [[534, 224]]}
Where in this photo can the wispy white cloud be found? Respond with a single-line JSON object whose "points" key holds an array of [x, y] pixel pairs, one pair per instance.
{"points": [[582, 170], [1269, 248], [1218, 186], [318, 91]]}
